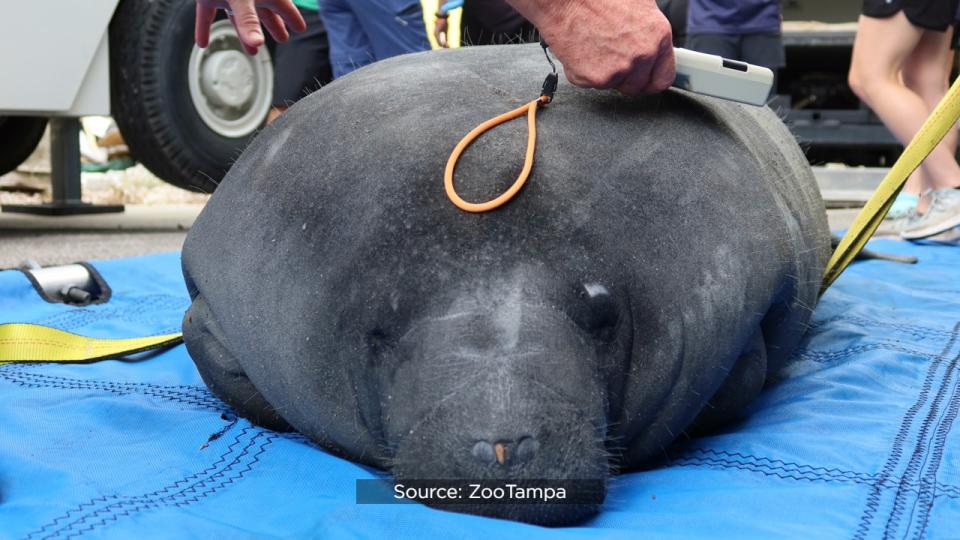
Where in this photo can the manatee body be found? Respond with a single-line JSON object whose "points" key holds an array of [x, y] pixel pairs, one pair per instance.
{"points": [[657, 269]]}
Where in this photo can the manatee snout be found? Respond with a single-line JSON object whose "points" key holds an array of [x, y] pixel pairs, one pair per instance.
{"points": [[486, 395], [490, 431], [487, 432]]}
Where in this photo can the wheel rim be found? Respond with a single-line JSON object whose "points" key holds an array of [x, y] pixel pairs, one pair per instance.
{"points": [[231, 91]]}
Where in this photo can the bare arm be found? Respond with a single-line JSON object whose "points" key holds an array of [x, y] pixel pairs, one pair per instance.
{"points": [[621, 44]]}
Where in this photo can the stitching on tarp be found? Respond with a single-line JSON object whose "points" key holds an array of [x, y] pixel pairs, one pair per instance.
{"points": [[180, 493], [178, 499], [896, 452], [921, 450], [926, 499], [196, 396], [912, 329], [104, 498], [824, 357], [936, 290], [186, 394], [787, 470], [147, 309]]}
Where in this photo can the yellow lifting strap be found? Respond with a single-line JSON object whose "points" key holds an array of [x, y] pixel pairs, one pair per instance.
{"points": [[35, 343], [933, 130]]}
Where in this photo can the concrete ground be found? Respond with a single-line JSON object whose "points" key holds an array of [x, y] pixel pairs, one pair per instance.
{"points": [[156, 217], [140, 230]]}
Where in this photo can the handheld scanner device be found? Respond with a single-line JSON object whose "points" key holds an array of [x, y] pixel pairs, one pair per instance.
{"points": [[719, 77]]}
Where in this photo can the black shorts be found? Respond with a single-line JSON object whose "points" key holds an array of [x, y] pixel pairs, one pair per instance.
{"points": [[762, 49], [494, 22], [930, 14], [302, 64]]}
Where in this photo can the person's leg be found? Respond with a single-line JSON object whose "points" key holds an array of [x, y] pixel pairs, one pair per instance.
{"points": [[725, 45], [676, 13], [929, 77], [880, 50], [493, 22], [393, 27], [349, 46], [765, 49], [927, 73], [301, 65]]}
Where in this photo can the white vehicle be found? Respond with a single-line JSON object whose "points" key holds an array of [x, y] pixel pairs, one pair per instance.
{"points": [[185, 112]]}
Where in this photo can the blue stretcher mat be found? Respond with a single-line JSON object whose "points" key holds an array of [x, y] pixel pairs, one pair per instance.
{"points": [[857, 442]]}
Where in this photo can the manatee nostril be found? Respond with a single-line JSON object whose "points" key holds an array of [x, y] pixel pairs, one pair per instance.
{"points": [[506, 452], [527, 448], [484, 452]]}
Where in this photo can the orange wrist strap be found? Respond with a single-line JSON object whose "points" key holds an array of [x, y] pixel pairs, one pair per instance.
{"points": [[530, 109]]}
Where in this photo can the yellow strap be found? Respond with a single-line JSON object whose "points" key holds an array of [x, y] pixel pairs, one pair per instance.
{"points": [[35, 343], [933, 130]]}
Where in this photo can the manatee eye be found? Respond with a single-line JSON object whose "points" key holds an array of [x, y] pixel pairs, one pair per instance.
{"points": [[595, 311]]}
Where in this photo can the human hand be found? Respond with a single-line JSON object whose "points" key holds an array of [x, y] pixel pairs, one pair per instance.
{"points": [[440, 31], [621, 44], [246, 16]]}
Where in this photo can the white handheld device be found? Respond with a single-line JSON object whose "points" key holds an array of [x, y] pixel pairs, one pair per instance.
{"points": [[719, 77]]}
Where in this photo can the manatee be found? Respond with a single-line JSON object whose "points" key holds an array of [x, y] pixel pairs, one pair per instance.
{"points": [[656, 271]]}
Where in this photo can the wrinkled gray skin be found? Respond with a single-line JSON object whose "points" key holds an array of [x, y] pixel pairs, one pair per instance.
{"points": [[666, 251]]}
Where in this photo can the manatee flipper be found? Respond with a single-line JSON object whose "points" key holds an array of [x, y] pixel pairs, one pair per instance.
{"points": [[866, 254], [742, 385], [221, 371]]}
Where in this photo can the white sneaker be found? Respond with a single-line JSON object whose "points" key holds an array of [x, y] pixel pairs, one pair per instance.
{"points": [[896, 224], [942, 215]]}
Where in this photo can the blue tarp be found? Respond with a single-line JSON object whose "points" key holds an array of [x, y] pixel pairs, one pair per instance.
{"points": [[857, 442]]}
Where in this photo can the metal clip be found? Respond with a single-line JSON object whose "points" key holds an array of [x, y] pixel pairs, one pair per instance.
{"points": [[73, 284]]}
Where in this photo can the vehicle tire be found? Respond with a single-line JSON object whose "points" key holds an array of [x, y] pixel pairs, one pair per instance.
{"points": [[186, 113], [19, 136]]}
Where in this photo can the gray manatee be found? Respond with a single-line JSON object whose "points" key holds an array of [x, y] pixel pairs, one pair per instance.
{"points": [[658, 268]]}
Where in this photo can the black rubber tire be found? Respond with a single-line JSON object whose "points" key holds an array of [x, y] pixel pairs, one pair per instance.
{"points": [[150, 46], [19, 136]]}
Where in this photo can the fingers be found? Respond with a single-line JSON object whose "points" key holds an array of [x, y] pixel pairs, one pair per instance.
{"points": [[440, 32], [205, 16], [643, 76], [274, 24], [653, 76], [246, 17], [247, 23], [600, 77], [290, 15], [636, 82], [664, 72], [598, 51]]}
